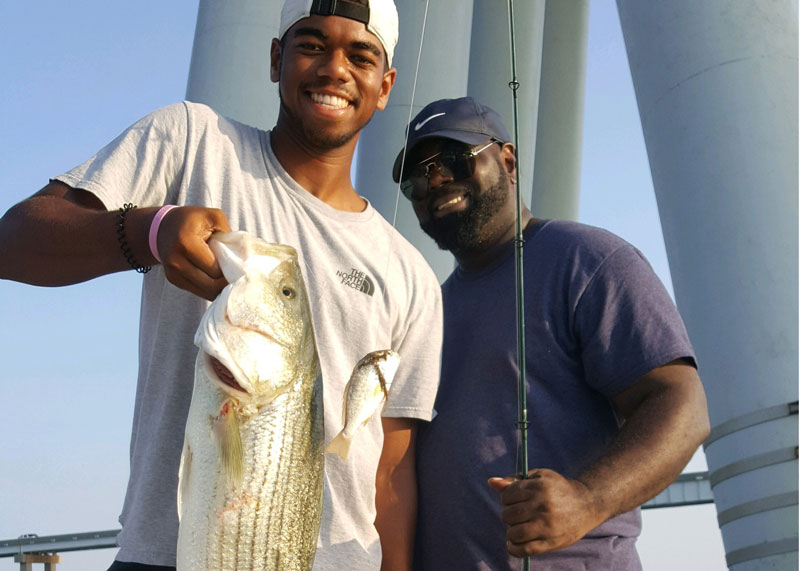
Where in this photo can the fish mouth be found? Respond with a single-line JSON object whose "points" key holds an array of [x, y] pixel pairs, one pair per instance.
{"points": [[223, 375]]}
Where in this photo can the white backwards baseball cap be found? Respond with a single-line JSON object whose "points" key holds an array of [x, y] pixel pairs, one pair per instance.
{"points": [[380, 17]]}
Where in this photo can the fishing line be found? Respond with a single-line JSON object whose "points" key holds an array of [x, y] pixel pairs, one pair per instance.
{"points": [[522, 412], [405, 150], [410, 110]]}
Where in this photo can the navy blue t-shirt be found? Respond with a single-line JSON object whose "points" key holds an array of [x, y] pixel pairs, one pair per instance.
{"points": [[596, 319]]}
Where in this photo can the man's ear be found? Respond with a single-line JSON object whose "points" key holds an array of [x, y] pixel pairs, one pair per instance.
{"points": [[386, 87], [509, 158], [275, 60]]}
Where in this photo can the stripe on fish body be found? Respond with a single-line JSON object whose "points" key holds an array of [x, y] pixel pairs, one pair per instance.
{"points": [[250, 491]]}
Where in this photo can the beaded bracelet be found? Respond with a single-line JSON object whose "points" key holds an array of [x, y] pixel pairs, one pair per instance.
{"points": [[123, 242]]}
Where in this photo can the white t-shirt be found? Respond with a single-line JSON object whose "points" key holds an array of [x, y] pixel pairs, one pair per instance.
{"points": [[368, 289]]}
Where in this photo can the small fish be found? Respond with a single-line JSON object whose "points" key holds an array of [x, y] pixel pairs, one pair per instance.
{"points": [[250, 482], [365, 392]]}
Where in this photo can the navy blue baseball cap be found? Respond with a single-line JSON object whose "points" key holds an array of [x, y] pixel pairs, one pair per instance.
{"points": [[463, 119]]}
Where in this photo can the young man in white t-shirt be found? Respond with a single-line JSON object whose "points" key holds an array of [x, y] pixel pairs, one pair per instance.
{"points": [[290, 185]]}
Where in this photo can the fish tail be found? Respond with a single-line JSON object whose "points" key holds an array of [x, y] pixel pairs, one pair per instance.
{"points": [[229, 442], [339, 445]]}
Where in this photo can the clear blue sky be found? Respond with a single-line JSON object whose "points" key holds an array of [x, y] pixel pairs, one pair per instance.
{"points": [[73, 76]]}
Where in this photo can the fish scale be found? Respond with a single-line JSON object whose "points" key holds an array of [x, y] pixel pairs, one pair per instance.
{"points": [[271, 504], [261, 511]]}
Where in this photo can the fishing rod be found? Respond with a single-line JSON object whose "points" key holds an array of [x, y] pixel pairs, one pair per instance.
{"points": [[522, 419], [522, 400]]}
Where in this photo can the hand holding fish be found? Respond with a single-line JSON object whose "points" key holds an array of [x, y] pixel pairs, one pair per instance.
{"points": [[183, 246], [545, 511]]}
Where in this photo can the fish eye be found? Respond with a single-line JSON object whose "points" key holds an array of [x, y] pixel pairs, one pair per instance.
{"points": [[288, 292]]}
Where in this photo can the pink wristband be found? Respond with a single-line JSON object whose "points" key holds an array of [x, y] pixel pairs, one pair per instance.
{"points": [[154, 229]]}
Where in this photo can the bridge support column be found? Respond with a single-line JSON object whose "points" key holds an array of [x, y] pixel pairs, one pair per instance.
{"points": [[26, 560]]}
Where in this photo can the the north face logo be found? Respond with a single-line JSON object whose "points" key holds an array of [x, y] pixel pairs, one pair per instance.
{"points": [[357, 280]]}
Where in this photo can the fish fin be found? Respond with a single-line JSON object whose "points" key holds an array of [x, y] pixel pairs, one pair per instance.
{"points": [[229, 442], [183, 476], [339, 445], [345, 398], [384, 386]]}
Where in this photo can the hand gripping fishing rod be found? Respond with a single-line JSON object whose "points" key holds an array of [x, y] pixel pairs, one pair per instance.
{"points": [[522, 400]]}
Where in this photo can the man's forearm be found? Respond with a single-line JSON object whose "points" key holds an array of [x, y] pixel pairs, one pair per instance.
{"points": [[50, 240], [62, 236], [396, 494], [666, 420], [396, 522], [654, 444]]}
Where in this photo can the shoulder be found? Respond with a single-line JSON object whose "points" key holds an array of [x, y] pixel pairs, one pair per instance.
{"points": [[409, 256], [203, 118], [578, 237], [576, 245], [164, 126], [420, 279], [165, 117], [197, 111], [175, 120], [570, 256]]}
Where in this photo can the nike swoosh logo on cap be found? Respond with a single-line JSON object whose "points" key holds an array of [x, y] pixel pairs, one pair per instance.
{"points": [[419, 125]]}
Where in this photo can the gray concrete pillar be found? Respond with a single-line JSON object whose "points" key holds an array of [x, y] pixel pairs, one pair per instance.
{"points": [[716, 85], [562, 93], [229, 69]]}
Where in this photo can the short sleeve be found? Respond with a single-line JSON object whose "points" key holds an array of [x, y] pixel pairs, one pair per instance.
{"points": [[143, 165], [626, 323], [418, 339]]}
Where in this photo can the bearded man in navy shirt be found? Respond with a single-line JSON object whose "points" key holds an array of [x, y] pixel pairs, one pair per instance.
{"points": [[616, 407]]}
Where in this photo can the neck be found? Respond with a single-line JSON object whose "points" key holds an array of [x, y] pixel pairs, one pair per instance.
{"points": [[325, 173], [479, 259]]}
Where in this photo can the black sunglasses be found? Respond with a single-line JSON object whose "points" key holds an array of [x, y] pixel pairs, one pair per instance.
{"points": [[455, 163]]}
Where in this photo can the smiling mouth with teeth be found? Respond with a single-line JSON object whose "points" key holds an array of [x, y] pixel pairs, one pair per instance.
{"points": [[331, 101], [455, 200]]}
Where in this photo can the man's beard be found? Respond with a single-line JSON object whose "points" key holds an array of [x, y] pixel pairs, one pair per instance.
{"points": [[464, 231], [316, 138]]}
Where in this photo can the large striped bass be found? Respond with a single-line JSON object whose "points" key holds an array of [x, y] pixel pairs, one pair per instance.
{"points": [[250, 491]]}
